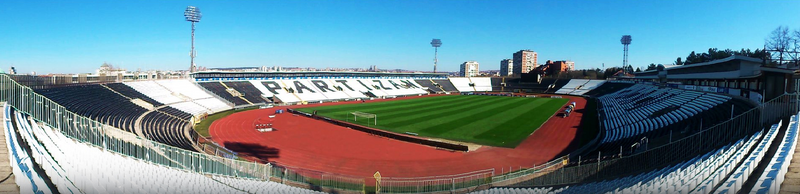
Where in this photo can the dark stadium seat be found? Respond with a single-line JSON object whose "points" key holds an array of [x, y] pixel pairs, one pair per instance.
{"points": [[429, 84], [446, 85], [221, 91], [96, 102]]}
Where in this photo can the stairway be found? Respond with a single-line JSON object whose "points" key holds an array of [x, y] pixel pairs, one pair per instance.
{"points": [[437, 85], [234, 92], [791, 182], [473, 84], [136, 101]]}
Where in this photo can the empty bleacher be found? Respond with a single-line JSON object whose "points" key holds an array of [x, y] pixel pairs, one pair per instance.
{"points": [[640, 109], [579, 86], [166, 129], [164, 125], [741, 174], [132, 93], [462, 84], [98, 103], [697, 175], [248, 91], [482, 84], [446, 85], [77, 167], [223, 92], [778, 166], [182, 95], [497, 84], [429, 84]]}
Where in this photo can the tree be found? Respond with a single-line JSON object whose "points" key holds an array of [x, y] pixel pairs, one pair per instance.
{"points": [[692, 58], [779, 41], [638, 69], [678, 61], [651, 67], [796, 46]]}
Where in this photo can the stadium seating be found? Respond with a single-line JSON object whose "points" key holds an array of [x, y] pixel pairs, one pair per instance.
{"points": [[580, 86], [571, 86], [276, 91], [429, 84], [129, 92], [496, 84], [462, 84], [446, 85], [770, 181], [21, 163], [154, 91], [167, 129], [641, 108], [741, 174], [223, 92], [184, 87], [482, 84], [182, 95], [349, 89], [698, 175], [75, 167], [545, 190], [319, 90], [248, 91], [98, 103]]}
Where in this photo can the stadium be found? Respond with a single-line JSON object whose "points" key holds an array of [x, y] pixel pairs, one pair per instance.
{"points": [[682, 130], [719, 122]]}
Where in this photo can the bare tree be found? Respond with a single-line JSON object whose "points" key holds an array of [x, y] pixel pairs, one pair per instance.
{"points": [[796, 46], [779, 41]]}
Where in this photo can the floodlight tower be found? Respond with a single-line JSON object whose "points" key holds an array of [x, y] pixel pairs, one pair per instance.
{"points": [[436, 43], [193, 15], [626, 40]]}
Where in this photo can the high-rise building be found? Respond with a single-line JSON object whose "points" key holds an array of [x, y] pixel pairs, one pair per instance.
{"points": [[506, 67], [525, 61], [469, 69]]}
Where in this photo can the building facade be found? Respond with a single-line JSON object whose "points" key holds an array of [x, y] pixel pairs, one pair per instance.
{"points": [[506, 67], [469, 69], [561, 66], [524, 61]]}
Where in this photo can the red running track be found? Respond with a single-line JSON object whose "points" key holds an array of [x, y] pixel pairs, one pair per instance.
{"points": [[311, 144]]}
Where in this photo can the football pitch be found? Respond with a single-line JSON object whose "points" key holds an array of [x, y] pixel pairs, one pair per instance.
{"points": [[487, 120]]}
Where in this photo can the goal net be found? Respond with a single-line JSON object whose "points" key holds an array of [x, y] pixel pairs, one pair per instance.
{"points": [[363, 118]]}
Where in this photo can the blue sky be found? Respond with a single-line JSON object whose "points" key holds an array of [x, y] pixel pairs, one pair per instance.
{"points": [[78, 36]]}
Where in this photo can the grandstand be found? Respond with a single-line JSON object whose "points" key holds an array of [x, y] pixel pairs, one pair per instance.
{"points": [[579, 86]]}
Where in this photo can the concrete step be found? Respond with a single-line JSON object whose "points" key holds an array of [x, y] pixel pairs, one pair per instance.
{"points": [[792, 175], [791, 181], [790, 188]]}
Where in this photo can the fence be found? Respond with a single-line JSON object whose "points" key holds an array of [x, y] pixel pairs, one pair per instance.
{"points": [[556, 172]]}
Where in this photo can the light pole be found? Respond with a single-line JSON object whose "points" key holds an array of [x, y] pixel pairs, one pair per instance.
{"points": [[193, 15], [626, 40], [436, 43]]}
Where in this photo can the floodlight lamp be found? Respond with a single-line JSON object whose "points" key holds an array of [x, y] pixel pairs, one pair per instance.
{"points": [[192, 14], [436, 42], [626, 39]]}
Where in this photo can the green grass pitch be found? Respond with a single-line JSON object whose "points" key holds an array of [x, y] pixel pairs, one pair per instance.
{"points": [[487, 120]]}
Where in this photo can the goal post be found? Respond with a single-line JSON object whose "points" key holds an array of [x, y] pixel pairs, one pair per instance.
{"points": [[368, 117]]}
